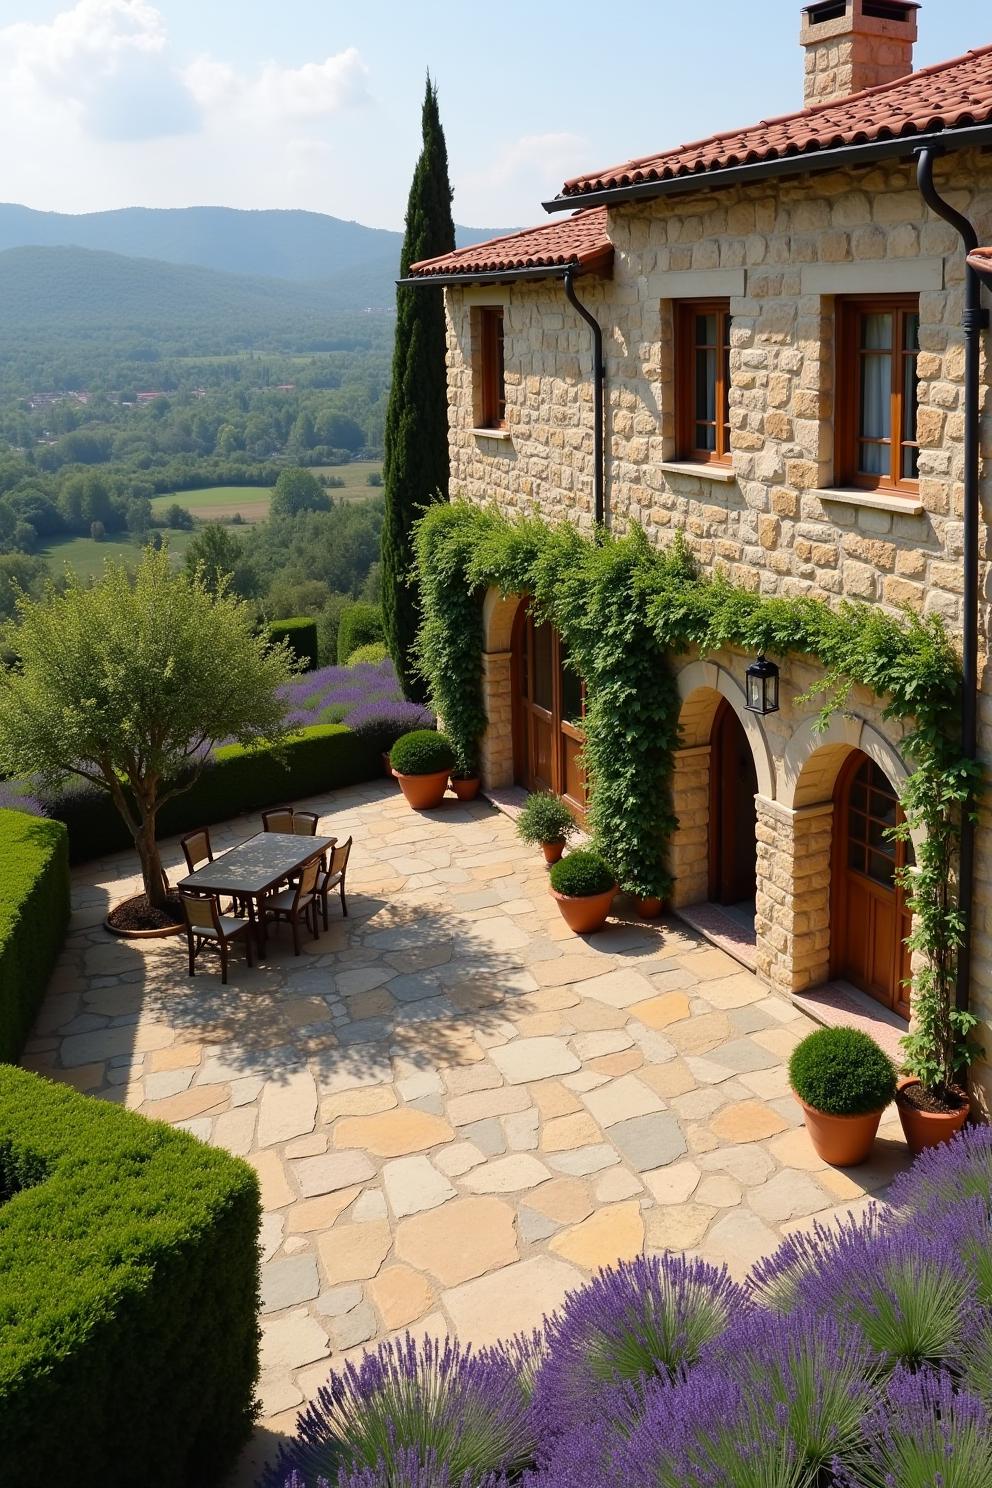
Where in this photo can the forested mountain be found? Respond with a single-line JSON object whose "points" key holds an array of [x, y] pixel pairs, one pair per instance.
{"points": [[292, 245]]}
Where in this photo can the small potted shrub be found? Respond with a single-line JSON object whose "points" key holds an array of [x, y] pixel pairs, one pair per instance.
{"points": [[583, 886], [931, 1099], [843, 1081], [465, 781], [421, 762], [547, 820]]}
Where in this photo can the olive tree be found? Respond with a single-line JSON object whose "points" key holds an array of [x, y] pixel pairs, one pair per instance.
{"points": [[128, 683]]}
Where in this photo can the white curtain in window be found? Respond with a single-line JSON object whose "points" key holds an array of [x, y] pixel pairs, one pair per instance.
{"points": [[876, 392]]}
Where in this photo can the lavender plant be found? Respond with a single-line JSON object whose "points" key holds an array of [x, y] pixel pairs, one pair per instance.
{"points": [[641, 1318], [436, 1402], [923, 1435], [778, 1281], [943, 1175]]}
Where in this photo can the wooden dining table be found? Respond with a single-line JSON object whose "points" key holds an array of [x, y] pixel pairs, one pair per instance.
{"points": [[256, 868]]}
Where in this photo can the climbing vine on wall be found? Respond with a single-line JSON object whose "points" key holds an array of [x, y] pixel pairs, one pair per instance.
{"points": [[624, 608]]}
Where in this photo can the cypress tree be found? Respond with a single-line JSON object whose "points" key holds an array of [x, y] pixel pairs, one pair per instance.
{"points": [[416, 440]]}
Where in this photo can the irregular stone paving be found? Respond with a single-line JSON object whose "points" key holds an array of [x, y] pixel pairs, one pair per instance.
{"points": [[457, 1109]]}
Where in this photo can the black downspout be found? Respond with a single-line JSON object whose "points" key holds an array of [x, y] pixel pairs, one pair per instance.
{"points": [[599, 385], [974, 321]]}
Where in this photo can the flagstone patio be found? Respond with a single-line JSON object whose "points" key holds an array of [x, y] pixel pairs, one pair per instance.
{"points": [[457, 1109]]}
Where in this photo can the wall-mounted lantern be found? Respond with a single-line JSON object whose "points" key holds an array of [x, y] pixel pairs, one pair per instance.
{"points": [[762, 687]]}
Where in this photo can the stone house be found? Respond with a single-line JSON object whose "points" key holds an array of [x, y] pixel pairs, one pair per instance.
{"points": [[783, 362]]}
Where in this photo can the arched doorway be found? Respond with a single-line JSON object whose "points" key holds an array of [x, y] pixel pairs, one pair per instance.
{"points": [[869, 917], [732, 838], [548, 710]]}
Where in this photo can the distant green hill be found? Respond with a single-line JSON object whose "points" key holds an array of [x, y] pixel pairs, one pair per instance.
{"points": [[292, 245]]}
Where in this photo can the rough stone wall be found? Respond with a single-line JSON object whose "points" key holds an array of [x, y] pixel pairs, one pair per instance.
{"points": [[782, 252]]}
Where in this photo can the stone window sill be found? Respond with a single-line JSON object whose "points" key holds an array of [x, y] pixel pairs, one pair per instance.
{"points": [[886, 501], [725, 474], [502, 434]]}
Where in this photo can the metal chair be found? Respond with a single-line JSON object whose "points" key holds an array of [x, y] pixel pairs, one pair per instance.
{"points": [[296, 903], [334, 877], [205, 925], [279, 819]]}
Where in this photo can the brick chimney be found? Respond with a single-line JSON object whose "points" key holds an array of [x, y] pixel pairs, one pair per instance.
{"points": [[855, 44]]}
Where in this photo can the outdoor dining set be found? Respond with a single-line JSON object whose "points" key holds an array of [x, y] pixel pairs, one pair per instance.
{"points": [[286, 872]]}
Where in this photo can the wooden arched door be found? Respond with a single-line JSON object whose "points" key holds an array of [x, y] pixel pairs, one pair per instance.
{"points": [[733, 820], [548, 709], [869, 917]]}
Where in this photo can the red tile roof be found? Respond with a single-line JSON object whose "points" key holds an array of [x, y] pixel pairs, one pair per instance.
{"points": [[950, 95], [581, 240], [981, 260]]}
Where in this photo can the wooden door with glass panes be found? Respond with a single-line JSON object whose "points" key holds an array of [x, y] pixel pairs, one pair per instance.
{"points": [[870, 920], [549, 707]]}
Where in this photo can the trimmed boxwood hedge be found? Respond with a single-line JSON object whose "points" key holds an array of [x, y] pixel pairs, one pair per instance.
{"points": [[128, 1295], [34, 912], [301, 633], [318, 758], [360, 625]]}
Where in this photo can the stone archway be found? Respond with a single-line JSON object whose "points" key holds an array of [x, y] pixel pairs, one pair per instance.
{"points": [[796, 847], [707, 690], [496, 746]]}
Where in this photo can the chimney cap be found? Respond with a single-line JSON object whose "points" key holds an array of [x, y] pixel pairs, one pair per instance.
{"points": [[890, 10]]}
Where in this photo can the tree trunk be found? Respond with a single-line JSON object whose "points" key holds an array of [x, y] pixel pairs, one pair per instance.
{"points": [[156, 885]]}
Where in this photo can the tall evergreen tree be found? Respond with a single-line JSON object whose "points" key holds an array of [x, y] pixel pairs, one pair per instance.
{"points": [[416, 466]]}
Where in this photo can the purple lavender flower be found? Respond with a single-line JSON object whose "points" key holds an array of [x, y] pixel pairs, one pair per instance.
{"points": [[923, 1433], [408, 1470], [650, 1316], [941, 1176], [15, 796], [469, 1412], [384, 722], [778, 1281], [909, 1293]]}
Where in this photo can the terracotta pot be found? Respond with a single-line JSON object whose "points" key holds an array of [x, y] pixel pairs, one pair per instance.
{"points": [[586, 914], [842, 1141], [927, 1128], [648, 909], [423, 792], [466, 787], [552, 851]]}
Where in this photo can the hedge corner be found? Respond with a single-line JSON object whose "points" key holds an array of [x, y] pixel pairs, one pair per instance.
{"points": [[129, 1291], [34, 913]]}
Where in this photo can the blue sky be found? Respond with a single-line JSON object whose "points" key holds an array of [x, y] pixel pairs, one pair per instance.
{"points": [[314, 103]]}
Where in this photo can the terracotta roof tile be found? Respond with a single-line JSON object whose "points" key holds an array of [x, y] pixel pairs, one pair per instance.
{"points": [[950, 95], [581, 239]]}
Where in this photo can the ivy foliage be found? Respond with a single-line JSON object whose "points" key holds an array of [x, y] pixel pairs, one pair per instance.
{"points": [[624, 608]]}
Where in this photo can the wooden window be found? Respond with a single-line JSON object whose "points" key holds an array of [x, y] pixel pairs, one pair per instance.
{"points": [[492, 400], [703, 381], [877, 348]]}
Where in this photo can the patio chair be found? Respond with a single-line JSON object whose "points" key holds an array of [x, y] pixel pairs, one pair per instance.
{"points": [[334, 877], [205, 925], [279, 819], [197, 851], [296, 903], [305, 823]]}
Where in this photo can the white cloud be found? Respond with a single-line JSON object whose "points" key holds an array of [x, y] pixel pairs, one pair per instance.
{"points": [[107, 114], [528, 169]]}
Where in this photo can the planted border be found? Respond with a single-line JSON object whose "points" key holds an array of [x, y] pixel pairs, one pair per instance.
{"points": [[34, 913], [300, 633], [128, 1293], [319, 758]]}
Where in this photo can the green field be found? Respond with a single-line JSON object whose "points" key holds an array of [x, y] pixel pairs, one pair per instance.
{"points": [[86, 557], [215, 503]]}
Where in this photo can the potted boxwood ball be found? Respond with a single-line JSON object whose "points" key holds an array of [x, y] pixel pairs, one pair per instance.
{"points": [[583, 887], [843, 1081], [547, 820], [422, 762]]}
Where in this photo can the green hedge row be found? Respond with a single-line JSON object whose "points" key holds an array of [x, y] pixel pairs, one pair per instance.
{"points": [[301, 633], [319, 758], [34, 912], [360, 625], [128, 1295]]}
